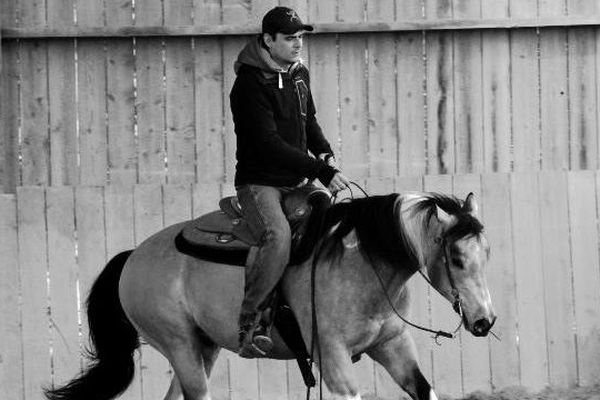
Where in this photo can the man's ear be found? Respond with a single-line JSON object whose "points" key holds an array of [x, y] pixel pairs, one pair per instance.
{"points": [[268, 39]]}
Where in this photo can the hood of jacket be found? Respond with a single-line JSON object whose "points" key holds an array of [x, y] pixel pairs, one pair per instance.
{"points": [[255, 55]]}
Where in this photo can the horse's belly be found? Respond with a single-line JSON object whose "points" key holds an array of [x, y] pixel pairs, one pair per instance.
{"points": [[164, 291]]}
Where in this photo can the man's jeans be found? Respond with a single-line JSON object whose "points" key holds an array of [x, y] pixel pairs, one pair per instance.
{"points": [[262, 208]]}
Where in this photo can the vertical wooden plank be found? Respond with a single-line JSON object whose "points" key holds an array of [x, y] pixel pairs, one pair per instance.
{"points": [[557, 272], [586, 275], [553, 99], [439, 52], [119, 217], [63, 274], [468, 113], [272, 380], [583, 121], [93, 146], [382, 122], [150, 110], [120, 92], [122, 157], [209, 109], [475, 351], [447, 376], [59, 13], [411, 128], [9, 108], [179, 69], [231, 48], [205, 198], [34, 291], [353, 106], [259, 8], [8, 17], [148, 219], [119, 14], [32, 13], [35, 152], [61, 96], [62, 109], [529, 279], [119, 223], [495, 48], [91, 243], [324, 86], [497, 217], [525, 100], [323, 11], [207, 12], [11, 356], [149, 13], [235, 11]]}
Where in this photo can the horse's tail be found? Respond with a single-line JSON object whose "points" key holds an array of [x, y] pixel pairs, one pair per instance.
{"points": [[113, 339]]}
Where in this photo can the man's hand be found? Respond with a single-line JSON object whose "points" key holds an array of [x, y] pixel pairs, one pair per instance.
{"points": [[338, 182]]}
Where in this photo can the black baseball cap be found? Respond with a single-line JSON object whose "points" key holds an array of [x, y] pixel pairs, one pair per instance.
{"points": [[283, 20]]}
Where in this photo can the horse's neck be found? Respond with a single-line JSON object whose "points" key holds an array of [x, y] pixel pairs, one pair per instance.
{"points": [[414, 232]]}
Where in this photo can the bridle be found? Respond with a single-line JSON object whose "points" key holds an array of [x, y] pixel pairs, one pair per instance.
{"points": [[457, 300]]}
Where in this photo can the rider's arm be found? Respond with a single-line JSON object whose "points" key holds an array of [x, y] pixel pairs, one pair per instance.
{"points": [[251, 108]]}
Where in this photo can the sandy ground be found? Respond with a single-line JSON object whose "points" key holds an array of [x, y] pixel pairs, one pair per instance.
{"points": [[513, 393]]}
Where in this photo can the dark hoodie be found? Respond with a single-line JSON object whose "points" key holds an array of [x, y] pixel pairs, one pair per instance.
{"points": [[275, 125]]}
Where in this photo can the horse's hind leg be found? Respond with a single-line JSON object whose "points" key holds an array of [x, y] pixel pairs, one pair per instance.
{"points": [[399, 357], [192, 361]]}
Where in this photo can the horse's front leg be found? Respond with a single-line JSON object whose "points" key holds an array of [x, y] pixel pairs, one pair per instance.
{"points": [[337, 370], [399, 357]]}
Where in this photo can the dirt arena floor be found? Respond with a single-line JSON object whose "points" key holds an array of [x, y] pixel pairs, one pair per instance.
{"points": [[514, 393]]}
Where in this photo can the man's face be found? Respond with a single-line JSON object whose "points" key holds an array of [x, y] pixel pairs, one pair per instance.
{"points": [[285, 49]]}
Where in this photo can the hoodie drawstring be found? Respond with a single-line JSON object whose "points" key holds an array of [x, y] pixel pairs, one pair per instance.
{"points": [[280, 80]]}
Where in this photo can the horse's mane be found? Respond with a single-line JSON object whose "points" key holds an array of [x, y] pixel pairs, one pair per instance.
{"points": [[380, 239], [466, 224], [374, 220]]}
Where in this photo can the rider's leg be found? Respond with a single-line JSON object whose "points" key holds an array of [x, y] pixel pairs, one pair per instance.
{"points": [[399, 357], [262, 208]]}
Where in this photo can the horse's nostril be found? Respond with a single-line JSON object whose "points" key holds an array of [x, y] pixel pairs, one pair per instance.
{"points": [[481, 327]]}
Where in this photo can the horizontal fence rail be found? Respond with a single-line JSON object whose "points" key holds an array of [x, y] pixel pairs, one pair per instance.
{"points": [[320, 28], [543, 276]]}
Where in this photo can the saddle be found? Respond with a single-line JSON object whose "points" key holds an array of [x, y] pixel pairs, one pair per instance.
{"points": [[224, 236]]}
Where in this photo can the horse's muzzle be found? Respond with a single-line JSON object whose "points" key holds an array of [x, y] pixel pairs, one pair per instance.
{"points": [[482, 326]]}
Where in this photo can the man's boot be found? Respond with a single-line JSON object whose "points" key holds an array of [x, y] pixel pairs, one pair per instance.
{"points": [[254, 338]]}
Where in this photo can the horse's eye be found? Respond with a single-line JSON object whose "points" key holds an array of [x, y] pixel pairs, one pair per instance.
{"points": [[457, 262]]}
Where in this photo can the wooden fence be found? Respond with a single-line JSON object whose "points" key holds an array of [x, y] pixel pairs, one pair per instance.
{"points": [[114, 122], [543, 276], [137, 92]]}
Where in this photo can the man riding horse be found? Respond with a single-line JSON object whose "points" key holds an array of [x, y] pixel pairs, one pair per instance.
{"points": [[275, 126]]}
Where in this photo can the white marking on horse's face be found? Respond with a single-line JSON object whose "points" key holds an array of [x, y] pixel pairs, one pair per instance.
{"points": [[432, 395], [357, 397], [468, 260]]}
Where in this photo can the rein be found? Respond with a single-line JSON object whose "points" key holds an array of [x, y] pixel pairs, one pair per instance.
{"points": [[457, 304]]}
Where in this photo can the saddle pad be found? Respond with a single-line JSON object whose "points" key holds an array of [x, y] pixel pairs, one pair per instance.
{"points": [[219, 230]]}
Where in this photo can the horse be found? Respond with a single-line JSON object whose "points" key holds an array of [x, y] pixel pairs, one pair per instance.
{"points": [[187, 308]]}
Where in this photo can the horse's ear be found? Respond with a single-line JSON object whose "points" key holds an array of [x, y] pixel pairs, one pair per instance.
{"points": [[442, 216], [470, 205]]}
